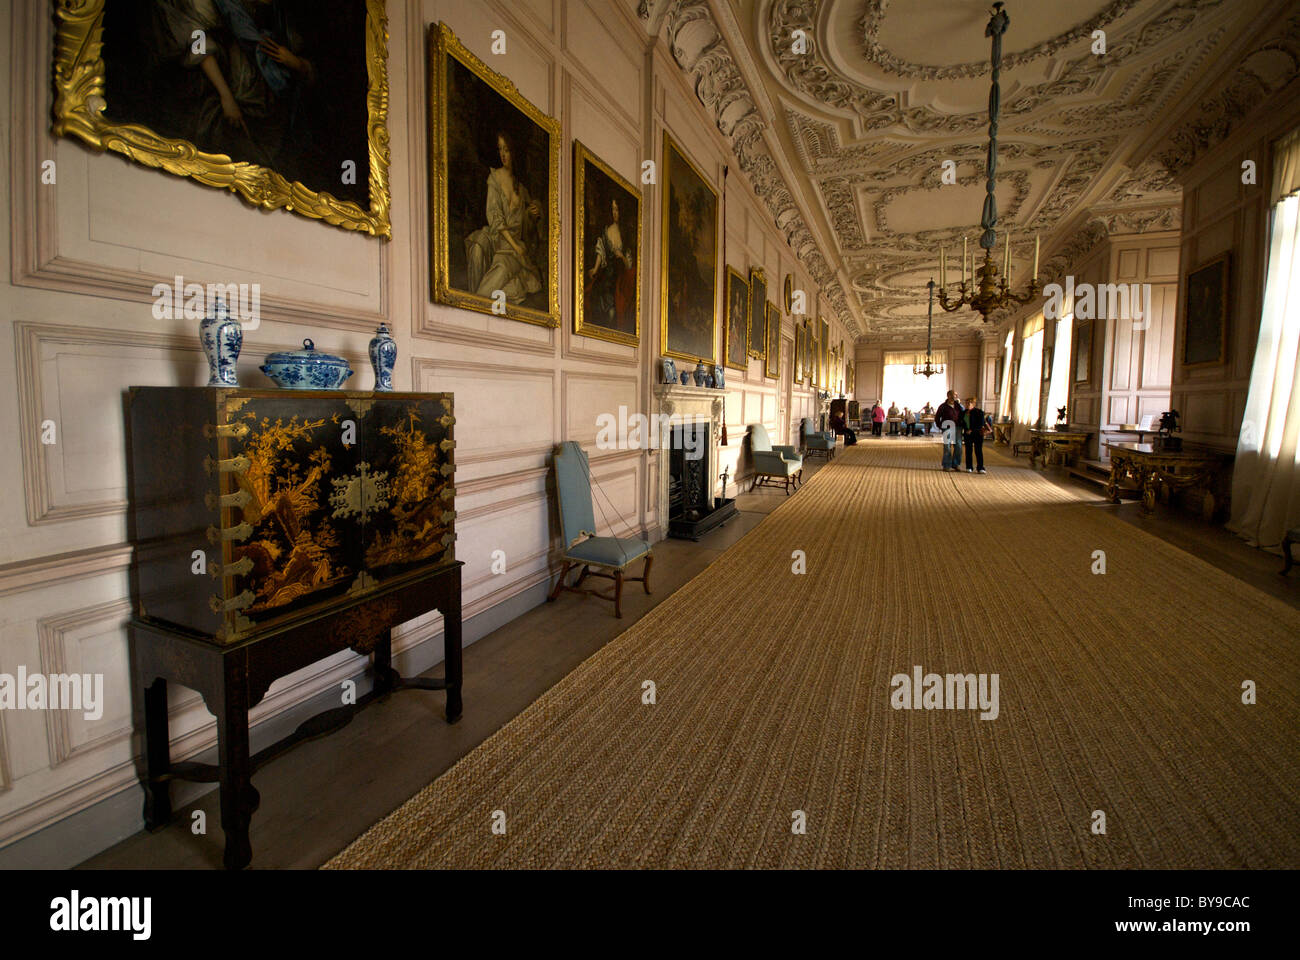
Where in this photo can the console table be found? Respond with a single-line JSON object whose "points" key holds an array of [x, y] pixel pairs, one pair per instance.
{"points": [[273, 528], [1152, 470], [1062, 444], [233, 679]]}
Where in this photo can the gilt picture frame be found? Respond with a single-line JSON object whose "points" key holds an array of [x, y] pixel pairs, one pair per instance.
{"points": [[823, 353], [1205, 312], [1082, 353], [688, 268], [494, 190], [735, 337], [798, 353], [772, 343], [757, 342], [606, 251], [277, 130]]}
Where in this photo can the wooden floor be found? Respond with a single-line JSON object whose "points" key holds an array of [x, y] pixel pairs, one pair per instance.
{"points": [[321, 796]]}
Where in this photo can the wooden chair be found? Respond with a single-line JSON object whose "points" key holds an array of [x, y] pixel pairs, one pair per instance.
{"points": [[578, 524]]}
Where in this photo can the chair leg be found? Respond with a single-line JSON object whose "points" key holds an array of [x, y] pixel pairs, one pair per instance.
{"points": [[645, 572], [618, 594], [559, 584], [583, 576], [1287, 543]]}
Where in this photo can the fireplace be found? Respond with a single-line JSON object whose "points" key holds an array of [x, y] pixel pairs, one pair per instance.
{"points": [[692, 509], [688, 504]]}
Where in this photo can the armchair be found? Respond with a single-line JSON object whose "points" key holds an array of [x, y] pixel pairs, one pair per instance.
{"points": [[817, 441], [578, 525], [773, 463]]}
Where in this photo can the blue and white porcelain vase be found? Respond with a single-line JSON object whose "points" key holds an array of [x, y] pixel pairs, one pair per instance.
{"points": [[699, 374], [222, 337], [684, 376], [383, 357]]}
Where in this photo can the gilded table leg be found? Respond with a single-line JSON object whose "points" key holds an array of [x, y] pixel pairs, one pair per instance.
{"points": [[1112, 485], [1150, 486]]}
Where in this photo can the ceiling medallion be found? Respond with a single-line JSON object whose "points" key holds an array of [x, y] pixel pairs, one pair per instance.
{"points": [[990, 295], [873, 20]]}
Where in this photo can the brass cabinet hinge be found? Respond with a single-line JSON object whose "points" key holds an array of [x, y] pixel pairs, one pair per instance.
{"points": [[241, 532], [218, 605], [448, 493], [446, 419], [447, 469], [447, 444], [233, 465], [236, 569], [228, 500], [238, 430]]}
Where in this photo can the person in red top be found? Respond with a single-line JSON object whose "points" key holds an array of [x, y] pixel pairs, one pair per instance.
{"points": [[877, 419]]}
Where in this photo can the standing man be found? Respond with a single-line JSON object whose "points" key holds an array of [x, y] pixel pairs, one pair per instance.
{"points": [[948, 418], [976, 422]]}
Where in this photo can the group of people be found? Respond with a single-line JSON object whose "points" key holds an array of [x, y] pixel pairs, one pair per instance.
{"points": [[962, 426], [913, 422]]}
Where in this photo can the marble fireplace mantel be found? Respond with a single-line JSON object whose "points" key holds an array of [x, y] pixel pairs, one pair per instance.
{"points": [[690, 404]]}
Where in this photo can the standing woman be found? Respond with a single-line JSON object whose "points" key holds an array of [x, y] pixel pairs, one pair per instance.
{"points": [[877, 419], [975, 424]]}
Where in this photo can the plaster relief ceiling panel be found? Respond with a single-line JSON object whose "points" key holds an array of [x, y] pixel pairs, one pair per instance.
{"points": [[875, 96]]}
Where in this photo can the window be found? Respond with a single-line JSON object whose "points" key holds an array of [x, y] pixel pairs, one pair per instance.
{"points": [[1058, 394], [1266, 472], [1029, 389], [903, 388], [1008, 351]]}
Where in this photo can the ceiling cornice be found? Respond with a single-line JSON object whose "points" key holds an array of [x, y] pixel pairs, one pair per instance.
{"points": [[697, 33]]}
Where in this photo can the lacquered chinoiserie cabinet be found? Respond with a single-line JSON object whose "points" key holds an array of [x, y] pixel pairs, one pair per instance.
{"points": [[273, 528]]}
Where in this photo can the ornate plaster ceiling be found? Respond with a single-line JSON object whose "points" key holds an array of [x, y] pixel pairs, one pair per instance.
{"points": [[845, 139]]}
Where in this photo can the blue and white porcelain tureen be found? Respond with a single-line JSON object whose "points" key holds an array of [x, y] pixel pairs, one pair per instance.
{"points": [[306, 369]]}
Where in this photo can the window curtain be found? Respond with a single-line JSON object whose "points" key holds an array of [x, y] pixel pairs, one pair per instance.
{"points": [[1029, 389], [1058, 393], [1266, 473], [1004, 401]]}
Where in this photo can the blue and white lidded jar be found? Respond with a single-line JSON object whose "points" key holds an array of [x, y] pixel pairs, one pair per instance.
{"points": [[383, 357], [222, 337]]}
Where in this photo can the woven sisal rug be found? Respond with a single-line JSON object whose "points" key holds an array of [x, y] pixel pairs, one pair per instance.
{"points": [[1120, 695]]}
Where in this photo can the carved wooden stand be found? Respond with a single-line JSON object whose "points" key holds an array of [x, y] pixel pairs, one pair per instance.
{"points": [[234, 678]]}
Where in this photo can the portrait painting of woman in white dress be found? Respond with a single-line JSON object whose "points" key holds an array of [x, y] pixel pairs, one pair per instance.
{"points": [[495, 168]]}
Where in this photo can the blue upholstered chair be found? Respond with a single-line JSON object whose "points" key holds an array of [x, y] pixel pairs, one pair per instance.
{"points": [[578, 525], [817, 441], [773, 463]]}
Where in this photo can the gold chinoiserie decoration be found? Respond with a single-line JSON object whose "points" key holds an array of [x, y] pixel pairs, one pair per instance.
{"points": [[79, 106]]}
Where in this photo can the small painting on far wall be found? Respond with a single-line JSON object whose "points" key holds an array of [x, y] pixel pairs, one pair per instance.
{"points": [[1083, 353], [735, 347], [772, 341], [1205, 309], [798, 353]]}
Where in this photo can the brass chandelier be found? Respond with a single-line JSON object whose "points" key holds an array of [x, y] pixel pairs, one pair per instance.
{"points": [[987, 290], [929, 368]]}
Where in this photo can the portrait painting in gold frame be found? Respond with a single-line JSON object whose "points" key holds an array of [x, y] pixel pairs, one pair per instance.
{"points": [[286, 107], [606, 251], [772, 342], [757, 343], [735, 335], [688, 271], [494, 190]]}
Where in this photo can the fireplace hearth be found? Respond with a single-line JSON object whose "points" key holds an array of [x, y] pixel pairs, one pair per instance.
{"points": [[692, 509]]}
